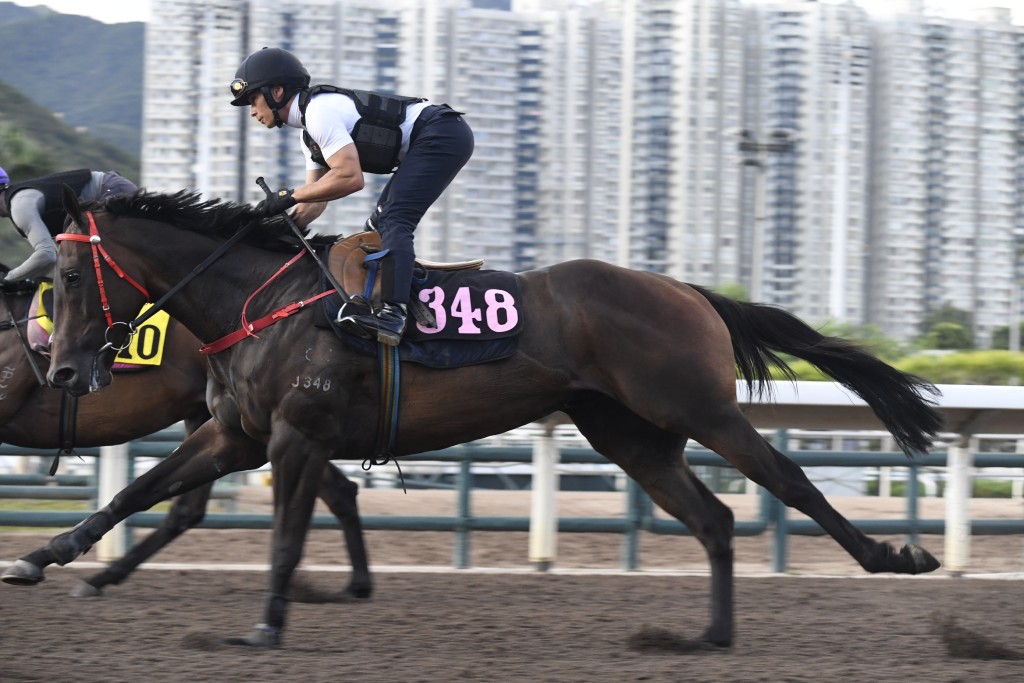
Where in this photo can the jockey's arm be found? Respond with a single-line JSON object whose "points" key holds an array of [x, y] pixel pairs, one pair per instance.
{"points": [[344, 177], [25, 213]]}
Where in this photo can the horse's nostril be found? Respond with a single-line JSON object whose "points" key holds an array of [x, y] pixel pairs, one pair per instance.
{"points": [[62, 376]]}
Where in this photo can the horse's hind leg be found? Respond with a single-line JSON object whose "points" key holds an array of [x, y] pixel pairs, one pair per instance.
{"points": [[728, 433], [339, 493], [653, 457]]}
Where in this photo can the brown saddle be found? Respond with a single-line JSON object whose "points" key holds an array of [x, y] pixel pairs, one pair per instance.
{"points": [[346, 263]]}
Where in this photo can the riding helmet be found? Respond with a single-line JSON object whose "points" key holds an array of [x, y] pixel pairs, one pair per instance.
{"points": [[5, 179], [266, 67]]}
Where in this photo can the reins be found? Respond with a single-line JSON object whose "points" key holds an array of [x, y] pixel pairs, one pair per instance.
{"points": [[249, 329], [94, 240]]}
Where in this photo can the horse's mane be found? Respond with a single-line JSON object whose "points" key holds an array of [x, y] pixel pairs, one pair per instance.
{"points": [[184, 209], [187, 210]]}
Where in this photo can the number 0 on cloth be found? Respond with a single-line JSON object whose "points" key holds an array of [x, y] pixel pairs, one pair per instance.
{"points": [[147, 346]]}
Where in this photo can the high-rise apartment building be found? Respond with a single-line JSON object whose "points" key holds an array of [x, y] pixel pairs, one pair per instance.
{"points": [[470, 58], [539, 90], [681, 87], [193, 138], [701, 214], [809, 73], [569, 138], [845, 168], [947, 176]]}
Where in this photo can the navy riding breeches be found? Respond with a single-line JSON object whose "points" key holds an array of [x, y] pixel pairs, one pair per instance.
{"points": [[440, 145]]}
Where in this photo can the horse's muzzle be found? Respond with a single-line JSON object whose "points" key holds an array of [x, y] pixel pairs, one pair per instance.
{"points": [[70, 380]]}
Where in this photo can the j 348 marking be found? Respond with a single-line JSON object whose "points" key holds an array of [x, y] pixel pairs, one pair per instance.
{"points": [[312, 383]]}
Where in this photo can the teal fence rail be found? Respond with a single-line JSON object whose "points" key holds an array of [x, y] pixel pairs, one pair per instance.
{"points": [[638, 518]]}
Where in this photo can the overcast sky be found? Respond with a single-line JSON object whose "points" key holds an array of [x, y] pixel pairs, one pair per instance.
{"points": [[113, 11]]}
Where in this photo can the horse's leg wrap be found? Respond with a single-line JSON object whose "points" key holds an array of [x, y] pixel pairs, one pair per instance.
{"points": [[260, 636], [67, 546], [275, 609], [266, 635]]}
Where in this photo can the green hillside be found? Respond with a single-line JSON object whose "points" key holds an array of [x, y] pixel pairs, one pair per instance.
{"points": [[87, 71], [34, 142]]}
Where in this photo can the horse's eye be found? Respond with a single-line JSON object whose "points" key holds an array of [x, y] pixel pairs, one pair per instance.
{"points": [[72, 278]]}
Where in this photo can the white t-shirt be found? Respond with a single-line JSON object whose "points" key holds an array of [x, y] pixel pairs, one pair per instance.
{"points": [[330, 118]]}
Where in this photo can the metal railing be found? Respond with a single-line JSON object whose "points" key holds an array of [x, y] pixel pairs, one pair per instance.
{"points": [[638, 516]]}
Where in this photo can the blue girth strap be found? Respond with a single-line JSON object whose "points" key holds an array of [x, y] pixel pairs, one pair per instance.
{"points": [[389, 363]]}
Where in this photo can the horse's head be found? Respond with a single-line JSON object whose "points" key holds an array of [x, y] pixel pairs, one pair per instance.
{"points": [[94, 298]]}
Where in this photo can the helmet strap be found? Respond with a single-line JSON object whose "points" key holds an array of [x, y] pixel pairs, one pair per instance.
{"points": [[275, 105]]}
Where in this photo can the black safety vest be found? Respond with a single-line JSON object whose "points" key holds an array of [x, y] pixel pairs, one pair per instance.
{"points": [[377, 133], [50, 185]]}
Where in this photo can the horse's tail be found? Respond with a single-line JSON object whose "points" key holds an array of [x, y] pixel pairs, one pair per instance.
{"points": [[903, 402]]}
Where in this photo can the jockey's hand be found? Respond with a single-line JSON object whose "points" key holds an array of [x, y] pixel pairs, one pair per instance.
{"points": [[282, 200]]}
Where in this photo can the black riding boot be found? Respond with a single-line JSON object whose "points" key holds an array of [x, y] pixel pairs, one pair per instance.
{"points": [[387, 324]]}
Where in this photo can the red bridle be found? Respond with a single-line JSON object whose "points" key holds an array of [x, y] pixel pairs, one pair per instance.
{"points": [[93, 238], [248, 329]]}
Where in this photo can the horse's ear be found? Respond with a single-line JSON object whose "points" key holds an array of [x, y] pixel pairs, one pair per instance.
{"points": [[69, 198]]}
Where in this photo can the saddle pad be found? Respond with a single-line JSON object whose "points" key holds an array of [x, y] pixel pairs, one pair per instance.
{"points": [[478, 319], [146, 348], [438, 353]]}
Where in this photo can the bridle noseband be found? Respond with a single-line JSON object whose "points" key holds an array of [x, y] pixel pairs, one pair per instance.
{"points": [[94, 241]]}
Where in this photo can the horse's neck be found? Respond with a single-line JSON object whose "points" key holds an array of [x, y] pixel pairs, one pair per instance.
{"points": [[211, 304]]}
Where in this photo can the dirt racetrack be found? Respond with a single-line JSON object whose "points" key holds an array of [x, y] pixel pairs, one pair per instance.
{"points": [[585, 621]]}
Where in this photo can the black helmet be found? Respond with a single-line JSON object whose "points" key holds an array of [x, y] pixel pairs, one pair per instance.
{"points": [[264, 68]]}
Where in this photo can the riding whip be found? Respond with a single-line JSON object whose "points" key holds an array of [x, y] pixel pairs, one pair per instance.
{"points": [[312, 252]]}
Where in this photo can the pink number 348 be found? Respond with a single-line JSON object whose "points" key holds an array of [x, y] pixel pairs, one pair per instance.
{"points": [[499, 314]]}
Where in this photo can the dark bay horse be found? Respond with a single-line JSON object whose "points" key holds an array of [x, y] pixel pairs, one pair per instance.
{"points": [[136, 404], [640, 362]]}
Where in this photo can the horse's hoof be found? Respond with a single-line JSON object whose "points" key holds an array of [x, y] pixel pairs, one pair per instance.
{"points": [[84, 589], [921, 561], [262, 636], [360, 592], [716, 640], [23, 573]]}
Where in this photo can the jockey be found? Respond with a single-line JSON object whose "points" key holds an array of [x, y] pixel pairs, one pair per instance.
{"points": [[350, 132], [34, 206]]}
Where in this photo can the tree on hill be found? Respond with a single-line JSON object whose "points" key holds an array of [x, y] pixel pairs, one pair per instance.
{"points": [[22, 157], [33, 143], [67, 148], [87, 71]]}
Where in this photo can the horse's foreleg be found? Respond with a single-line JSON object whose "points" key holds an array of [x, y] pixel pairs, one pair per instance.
{"points": [[205, 456], [339, 493], [298, 467], [653, 457], [738, 442], [187, 511]]}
